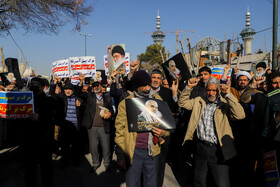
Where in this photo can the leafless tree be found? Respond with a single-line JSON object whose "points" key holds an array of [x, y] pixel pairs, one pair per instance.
{"points": [[43, 15]]}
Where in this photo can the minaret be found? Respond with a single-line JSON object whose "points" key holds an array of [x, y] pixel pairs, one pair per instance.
{"points": [[158, 35], [248, 34]]}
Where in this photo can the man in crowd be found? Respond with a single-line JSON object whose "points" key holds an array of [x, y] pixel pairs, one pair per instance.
{"points": [[253, 126], [70, 126], [136, 151], [204, 74], [97, 117], [37, 134], [169, 96], [214, 139]]}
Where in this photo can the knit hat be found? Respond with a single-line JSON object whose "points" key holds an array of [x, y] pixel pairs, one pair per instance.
{"points": [[96, 83], [118, 49], [261, 65], [243, 73], [140, 78], [68, 86]]}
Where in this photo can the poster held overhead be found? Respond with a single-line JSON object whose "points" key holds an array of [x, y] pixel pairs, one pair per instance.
{"points": [[116, 58], [84, 65], [176, 69], [61, 68]]}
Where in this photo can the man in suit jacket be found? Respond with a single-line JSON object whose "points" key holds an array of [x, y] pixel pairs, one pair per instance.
{"points": [[97, 117]]}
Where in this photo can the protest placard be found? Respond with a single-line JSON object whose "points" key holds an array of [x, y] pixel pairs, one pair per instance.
{"points": [[143, 113], [106, 65], [116, 57], [218, 73], [271, 169], [61, 68], [84, 65], [176, 69], [16, 104]]}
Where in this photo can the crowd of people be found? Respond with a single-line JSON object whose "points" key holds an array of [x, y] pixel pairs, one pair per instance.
{"points": [[223, 127]]}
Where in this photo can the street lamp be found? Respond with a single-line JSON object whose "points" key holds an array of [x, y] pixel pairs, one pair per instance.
{"points": [[85, 35]]}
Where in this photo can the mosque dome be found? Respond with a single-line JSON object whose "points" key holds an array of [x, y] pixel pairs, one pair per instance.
{"points": [[209, 42]]}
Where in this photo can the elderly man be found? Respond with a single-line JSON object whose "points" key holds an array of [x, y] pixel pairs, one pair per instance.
{"points": [[209, 126], [138, 149], [98, 125]]}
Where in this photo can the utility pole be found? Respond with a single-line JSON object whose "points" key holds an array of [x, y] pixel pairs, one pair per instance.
{"points": [[274, 43]]}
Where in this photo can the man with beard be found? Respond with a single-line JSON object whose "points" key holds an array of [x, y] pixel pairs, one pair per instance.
{"points": [[138, 152], [213, 135], [98, 126], [169, 96]]}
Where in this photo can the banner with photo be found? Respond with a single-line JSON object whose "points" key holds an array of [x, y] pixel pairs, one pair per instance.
{"points": [[61, 68], [84, 65], [116, 58], [219, 71], [127, 64], [143, 113], [16, 104], [176, 69]]}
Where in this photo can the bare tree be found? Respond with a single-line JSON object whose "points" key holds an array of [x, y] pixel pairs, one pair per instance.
{"points": [[43, 15]]}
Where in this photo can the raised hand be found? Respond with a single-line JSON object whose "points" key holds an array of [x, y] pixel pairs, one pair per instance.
{"points": [[192, 82], [174, 87], [225, 88], [227, 68]]}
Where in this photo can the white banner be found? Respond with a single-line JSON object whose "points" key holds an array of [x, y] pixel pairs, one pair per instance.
{"points": [[61, 68], [127, 63], [84, 65], [106, 65]]}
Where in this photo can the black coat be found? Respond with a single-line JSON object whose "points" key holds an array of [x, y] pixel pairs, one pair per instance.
{"points": [[166, 95], [90, 111], [61, 109]]}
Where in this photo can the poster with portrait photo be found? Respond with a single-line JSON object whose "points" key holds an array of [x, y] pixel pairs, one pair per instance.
{"points": [[176, 69], [100, 76], [116, 57], [143, 113]]}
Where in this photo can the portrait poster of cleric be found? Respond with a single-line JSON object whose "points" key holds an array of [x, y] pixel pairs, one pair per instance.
{"points": [[143, 113], [116, 57], [176, 69]]}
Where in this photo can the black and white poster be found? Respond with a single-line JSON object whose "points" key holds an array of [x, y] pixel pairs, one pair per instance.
{"points": [[176, 69], [143, 113]]}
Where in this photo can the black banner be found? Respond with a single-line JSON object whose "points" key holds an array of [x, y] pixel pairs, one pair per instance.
{"points": [[176, 68]]}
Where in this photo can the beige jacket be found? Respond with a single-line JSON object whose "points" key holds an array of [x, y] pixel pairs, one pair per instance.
{"points": [[227, 108], [126, 140]]}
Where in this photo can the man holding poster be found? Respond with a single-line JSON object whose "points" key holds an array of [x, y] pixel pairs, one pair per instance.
{"points": [[140, 150]]}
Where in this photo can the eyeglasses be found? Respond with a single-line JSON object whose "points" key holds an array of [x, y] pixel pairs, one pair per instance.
{"points": [[243, 80]]}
